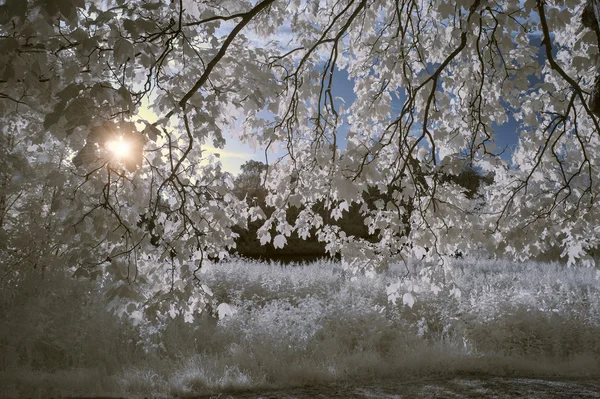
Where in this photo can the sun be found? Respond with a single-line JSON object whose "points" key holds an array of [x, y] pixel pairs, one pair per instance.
{"points": [[119, 148]]}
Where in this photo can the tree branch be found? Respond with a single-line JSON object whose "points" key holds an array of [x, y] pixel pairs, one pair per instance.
{"points": [[247, 17]]}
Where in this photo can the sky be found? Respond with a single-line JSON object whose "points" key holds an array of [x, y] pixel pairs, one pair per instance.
{"points": [[232, 156], [506, 136], [236, 153]]}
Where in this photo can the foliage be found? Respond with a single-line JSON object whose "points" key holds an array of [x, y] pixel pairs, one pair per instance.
{"points": [[305, 324], [249, 186], [106, 107]]}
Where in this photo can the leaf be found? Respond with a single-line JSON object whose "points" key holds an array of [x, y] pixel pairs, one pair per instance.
{"points": [[151, 6], [124, 292], [69, 92], [67, 9], [565, 16], [89, 44], [79, 112], [392, 292], [295, 200], [126, 96], [346, 188], [265, 238], [145, 25], [101, 134], [105, 17], [81, 272], [207, 290], [446, 9], [85, 156], [408, 300], [123, 51], [336, 214], [344, 206], [131, 308], [9, 72], [151, 132], [13, 8], [131, 27], [225, 310], [55, 179], [279, 241], [8, 45], [52, 119]]}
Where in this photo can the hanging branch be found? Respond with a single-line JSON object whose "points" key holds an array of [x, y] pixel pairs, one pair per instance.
{"points": [[591, 19]]}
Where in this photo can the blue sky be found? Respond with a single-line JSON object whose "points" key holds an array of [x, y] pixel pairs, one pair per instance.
{"points": [[506, 136], [236, 153]]}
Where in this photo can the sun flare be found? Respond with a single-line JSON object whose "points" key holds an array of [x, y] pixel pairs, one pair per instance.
{"points": [[119, 148]]}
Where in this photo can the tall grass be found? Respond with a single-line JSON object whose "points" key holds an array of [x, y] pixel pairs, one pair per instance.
{"points": [[306, 324]]}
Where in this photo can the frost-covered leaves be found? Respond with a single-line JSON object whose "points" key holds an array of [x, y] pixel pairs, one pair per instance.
{"points": [[84, 69], [432, 85], [33, 184], [279, 241], [430, 98], [552, 186]]}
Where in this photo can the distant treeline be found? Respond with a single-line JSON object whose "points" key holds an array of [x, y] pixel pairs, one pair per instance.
{"points": [[248, 185]]}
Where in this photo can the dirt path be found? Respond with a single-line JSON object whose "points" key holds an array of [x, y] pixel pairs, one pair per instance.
{"points": [[454, 388]]}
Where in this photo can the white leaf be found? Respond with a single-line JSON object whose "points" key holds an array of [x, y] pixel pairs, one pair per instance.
{"points": [[344, 206], [225, 310], [419, 251], [408, 299], [392, 292], [207, 290], [336, 213], [265, 238], [279, 241]]}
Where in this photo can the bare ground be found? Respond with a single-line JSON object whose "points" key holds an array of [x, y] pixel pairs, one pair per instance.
{"points": [[464, 387]]}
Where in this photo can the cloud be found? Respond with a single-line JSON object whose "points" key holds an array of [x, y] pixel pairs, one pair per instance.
{"points": [[231, 160], [228, 154]]}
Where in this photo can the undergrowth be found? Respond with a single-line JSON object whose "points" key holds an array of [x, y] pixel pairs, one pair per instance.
{"points": [[304, 324]]}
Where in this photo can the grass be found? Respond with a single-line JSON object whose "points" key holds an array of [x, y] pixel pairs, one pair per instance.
{"points": [[306, 324]]}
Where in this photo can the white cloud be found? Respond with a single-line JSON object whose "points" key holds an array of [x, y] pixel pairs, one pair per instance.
{"points": [[231, 160]]}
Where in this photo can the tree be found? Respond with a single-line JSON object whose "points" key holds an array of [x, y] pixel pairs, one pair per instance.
{"points": [[248, 184], [76, 73]]}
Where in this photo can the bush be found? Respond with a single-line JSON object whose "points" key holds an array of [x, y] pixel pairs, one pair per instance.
{"points": [[303, 324]]}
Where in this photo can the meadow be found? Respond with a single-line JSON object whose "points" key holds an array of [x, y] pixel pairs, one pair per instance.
{"points": [[282, 326]]}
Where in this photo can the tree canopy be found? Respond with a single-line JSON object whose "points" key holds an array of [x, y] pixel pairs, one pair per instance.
{"points": [[106, 106]]}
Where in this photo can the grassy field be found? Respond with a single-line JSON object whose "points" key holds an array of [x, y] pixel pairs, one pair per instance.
{"points": [[285, 326]]}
